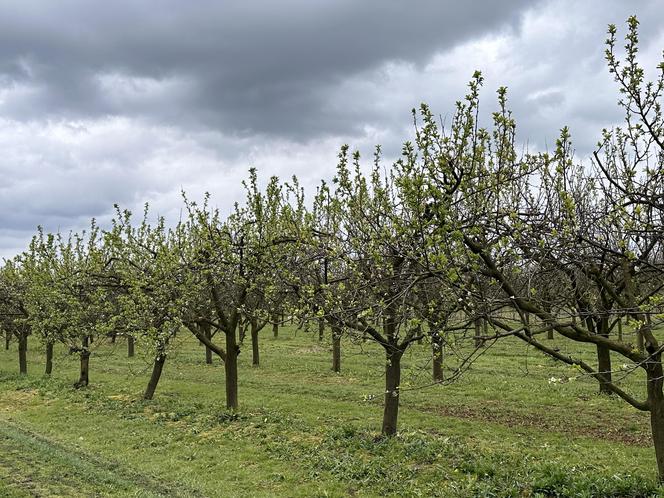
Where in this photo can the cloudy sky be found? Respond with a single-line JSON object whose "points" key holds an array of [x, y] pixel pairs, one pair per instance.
{"points": [[131, 101]]}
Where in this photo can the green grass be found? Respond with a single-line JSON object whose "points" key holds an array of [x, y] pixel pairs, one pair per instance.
{"points": [[501, 430]]}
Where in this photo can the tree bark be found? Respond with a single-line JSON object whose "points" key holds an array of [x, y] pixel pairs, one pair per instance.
{"points": [[655, 377], [478, 333], [157, 368], [321, 329], [255, 354], [49, 358], [620, 330], [604, 367], [230, 368], [130, 346], [84, 377], [22, 354], [392, 391], [275, 326], [8, 339], [336, 349], [604, 357], [437, 350]]}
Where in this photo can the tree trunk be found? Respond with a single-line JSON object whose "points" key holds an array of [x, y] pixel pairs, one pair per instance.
{"points": [[255, 354], [84, 377], [640, 344], [321, 329], [208, 352], [604, 357], [157, 368], [604, 367], [549, 334], [478, 333], [275, 326], [243, 329], [392, 391], [22, 354], [130, 346], [655, 378], [8, 339], [620, 330], [336, 349], [230, 368], [640, 341], [437, 350], [113, 337], [49, 358]]}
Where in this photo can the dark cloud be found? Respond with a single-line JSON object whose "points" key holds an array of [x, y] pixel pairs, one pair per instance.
{"points": [[247, 66]]}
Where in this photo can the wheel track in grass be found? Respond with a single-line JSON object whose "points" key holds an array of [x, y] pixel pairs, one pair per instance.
{"points": [[34, 465]]}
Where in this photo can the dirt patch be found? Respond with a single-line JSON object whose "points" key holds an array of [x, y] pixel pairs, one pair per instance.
{"points": [[631, 431], [11, 400]]}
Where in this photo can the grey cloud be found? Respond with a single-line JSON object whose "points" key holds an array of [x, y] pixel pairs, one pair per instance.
{"points": [[251, 66]]}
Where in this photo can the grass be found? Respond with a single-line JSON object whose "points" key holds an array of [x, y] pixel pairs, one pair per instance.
{"points": [[302, 430]]}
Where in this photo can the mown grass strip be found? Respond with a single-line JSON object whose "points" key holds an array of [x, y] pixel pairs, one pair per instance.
{"points": [[33, 465]]}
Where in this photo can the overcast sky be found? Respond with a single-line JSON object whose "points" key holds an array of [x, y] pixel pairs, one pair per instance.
{"points": [[131, 101]]}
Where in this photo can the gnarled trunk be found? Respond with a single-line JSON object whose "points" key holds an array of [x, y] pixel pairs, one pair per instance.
{"points": [[275, 326], [392, 391], [157, 368]]}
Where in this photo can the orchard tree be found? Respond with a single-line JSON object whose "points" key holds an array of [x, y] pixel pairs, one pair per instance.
{"points": [[69, 297], [155, 285], [232, 259], [600, 235], [14, 316], [368, 240]]}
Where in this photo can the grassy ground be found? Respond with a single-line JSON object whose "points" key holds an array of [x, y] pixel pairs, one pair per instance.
{"points": [[502, 430]]}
